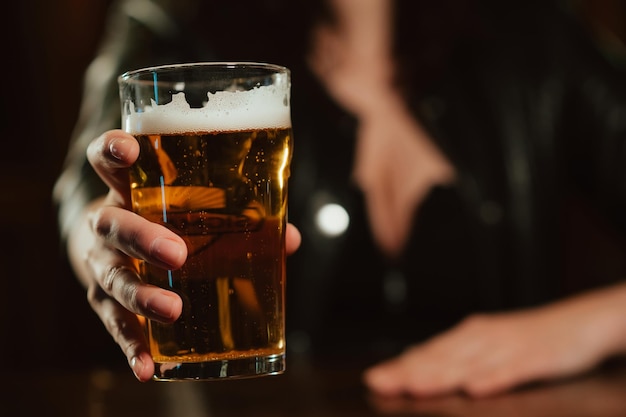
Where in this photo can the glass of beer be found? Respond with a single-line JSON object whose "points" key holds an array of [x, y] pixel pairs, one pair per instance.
{"points": [[215, 147]]}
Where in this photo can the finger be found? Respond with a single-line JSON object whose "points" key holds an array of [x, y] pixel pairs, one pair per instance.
{"points": [[293, 239], [398, 377], [115, 272], [387, 378], [504, 372], [111, 155], [426, 370], [444, 363], [492, 382], [139, 238], [126, 330], [122, 283]]}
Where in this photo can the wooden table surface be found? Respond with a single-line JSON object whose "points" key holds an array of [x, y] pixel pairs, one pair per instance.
{"points": [[306, 389]]}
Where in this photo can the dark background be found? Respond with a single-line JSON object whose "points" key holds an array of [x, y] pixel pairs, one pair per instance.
{"points": [[44, 317]]}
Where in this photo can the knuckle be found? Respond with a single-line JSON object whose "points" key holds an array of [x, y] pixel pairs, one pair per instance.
{"points": [[118, 329], [105, 226], [112, 277], [121, 280], [131, 346], [95, 295], [123, 332], [100, 223]]}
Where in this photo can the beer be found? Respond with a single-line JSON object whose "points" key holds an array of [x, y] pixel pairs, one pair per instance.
{"points": [[217, 178]]}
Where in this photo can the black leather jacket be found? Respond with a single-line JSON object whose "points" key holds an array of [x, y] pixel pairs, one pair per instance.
{"points": [[520, 98]]}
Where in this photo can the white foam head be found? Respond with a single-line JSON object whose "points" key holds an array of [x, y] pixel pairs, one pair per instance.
{"points": [[259, 108]]}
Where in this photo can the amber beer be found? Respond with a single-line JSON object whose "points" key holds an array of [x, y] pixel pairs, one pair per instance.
{"points": [[224, 191]]}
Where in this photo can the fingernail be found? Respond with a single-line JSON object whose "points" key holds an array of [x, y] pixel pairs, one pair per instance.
{"points": [[116, 148], [136, 364], [167, 251]]}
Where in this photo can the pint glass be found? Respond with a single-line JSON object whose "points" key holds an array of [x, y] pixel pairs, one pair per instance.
{"points": [[215, 147]]}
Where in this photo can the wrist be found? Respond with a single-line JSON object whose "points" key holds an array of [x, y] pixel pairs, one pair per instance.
{"points": [[604, 312]]}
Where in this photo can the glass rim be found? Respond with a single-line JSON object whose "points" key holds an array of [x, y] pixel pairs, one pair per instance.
{"points": [[128, 75]]}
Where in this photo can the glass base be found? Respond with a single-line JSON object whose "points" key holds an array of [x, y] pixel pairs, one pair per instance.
{"points": [[223, 369]]}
